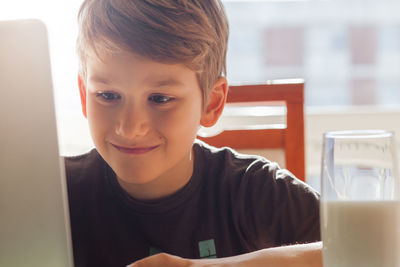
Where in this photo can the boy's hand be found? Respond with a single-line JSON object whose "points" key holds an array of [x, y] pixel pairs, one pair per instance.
{"points": [[165, 260], [306, 255]]}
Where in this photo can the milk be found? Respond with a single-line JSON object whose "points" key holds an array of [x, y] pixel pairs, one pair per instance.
{"points": [[360, 233]]}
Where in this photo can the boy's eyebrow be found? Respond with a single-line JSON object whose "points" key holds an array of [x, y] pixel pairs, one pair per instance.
{"points": [[166, 82], [99, 80], [157, 83]]}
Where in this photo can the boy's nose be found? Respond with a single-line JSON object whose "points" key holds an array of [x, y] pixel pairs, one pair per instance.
{"points": [[132, 123]]}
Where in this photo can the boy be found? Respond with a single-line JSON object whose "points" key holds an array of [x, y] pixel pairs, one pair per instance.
{"points": [[152, 72]]}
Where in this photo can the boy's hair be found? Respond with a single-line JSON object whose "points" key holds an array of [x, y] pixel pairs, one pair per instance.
{"points": [[191, 32]]}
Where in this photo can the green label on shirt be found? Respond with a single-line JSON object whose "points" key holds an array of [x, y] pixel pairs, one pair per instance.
{"points": [[207, 249]]}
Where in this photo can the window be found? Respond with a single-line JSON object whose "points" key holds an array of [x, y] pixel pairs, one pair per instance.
{"points": [[347, 51]]}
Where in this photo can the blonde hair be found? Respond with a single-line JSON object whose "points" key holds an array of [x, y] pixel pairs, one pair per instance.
{"points": [[191, 32]]}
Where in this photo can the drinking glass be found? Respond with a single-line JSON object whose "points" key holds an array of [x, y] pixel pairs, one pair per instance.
{"points": [[360, 204]]}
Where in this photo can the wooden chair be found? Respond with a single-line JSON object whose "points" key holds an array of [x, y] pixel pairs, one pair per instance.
{"points": [[291, 139]]}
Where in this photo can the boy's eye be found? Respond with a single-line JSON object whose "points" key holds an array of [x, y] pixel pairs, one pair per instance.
{"points": [[108, 96], [160, 99]]}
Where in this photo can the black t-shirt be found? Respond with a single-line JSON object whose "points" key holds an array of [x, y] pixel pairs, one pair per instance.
{"points": [[233, 204]]}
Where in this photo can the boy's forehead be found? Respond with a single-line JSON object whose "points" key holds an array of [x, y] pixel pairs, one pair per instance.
{"points": [[107, 67], [103, 57], [153, 81]]}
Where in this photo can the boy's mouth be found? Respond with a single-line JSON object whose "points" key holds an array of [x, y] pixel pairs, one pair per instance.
{"points": [[135, 150]]}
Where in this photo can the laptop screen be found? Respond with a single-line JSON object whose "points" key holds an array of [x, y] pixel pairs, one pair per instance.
{"points": [[34, 221]]}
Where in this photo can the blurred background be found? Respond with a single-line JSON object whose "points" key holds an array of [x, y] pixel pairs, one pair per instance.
{"points": [[348, 53]]}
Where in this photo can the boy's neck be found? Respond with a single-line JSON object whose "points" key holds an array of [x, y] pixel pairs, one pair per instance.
{"points": [[165, 185]]}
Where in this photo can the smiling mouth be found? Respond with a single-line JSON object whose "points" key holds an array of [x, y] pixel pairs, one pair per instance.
{"points": [[135, 150]]}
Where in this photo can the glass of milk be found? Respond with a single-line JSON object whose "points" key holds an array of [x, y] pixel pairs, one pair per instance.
{"points": [[360, 199]]}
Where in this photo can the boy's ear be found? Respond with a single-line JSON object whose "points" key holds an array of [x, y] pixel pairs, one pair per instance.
{"points": [[215, 103], [82, 93]]}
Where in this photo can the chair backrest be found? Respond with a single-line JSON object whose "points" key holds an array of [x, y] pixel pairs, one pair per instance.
{"points": [[291, 138]]}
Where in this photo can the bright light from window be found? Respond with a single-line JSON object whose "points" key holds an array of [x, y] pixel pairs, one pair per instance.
{"points": [[60, 18]]}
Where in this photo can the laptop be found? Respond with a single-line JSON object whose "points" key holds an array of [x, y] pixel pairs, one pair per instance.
{"points": [[34, 218]]}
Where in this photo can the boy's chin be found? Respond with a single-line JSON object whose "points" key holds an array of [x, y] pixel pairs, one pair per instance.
{"points": [[134, 180]]}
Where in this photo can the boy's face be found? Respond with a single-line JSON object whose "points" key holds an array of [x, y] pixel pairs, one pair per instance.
{"points": [[143, 117]]}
